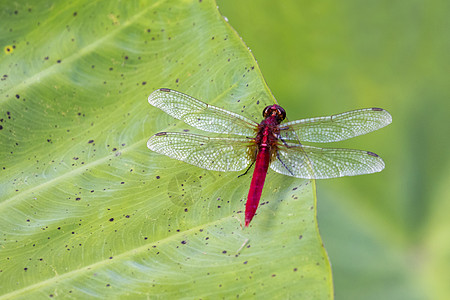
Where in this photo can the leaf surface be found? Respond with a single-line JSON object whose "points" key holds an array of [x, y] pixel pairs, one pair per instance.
{"points": [[87, 210]]}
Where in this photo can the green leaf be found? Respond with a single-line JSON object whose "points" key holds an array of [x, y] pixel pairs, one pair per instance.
{"points": [[87, 210]]}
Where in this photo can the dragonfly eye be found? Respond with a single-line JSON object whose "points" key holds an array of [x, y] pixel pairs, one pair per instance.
{"points": [[281, 115], [279, 112]]}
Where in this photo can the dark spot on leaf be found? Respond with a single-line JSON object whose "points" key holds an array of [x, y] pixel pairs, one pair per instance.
{"points": [[1, 127], [224, 251], [245, 262], [111, 220], [25, 269], [144, 82], [145, 238], [123, 182], [273, 275], [114, 149], [295, 269], [108, 285], [77, 199], [90, 141], [158, 177], [300, 237], [58, 61], [75, 14], [110, 257], [185, 210], [75, 158], [17, 96], [183, 242]]}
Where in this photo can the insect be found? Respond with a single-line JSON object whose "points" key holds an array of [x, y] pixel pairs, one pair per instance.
{"points": [[268, 143]]}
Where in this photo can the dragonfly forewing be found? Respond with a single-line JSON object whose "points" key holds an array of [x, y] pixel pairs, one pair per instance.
{"points": [[321, 163], [201, 115], [336, 127], [216, 154]]}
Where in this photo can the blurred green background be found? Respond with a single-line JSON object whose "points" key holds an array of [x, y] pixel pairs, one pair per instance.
{"points": [[387, 234]]}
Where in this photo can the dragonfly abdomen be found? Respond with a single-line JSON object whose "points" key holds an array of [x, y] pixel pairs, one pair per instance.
{"points": [[257, 184]]}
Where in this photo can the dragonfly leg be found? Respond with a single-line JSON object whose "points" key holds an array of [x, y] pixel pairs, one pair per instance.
{"points": [[246, 171], [286, 144], [279, 158], [251, 165]]}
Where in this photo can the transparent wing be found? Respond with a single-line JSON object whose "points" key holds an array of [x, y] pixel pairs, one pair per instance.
{"points": [[217, 154], [336, 127], [201, 115], [320, 163]]}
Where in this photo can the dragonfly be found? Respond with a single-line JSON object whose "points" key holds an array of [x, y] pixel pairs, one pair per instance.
{"points": [[264, 144]]}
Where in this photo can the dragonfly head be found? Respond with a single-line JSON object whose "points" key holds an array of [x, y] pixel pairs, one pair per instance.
{"points": [[276, 111]]}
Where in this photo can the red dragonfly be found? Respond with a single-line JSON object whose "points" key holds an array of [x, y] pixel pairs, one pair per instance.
{"points": [[266, 143]]}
